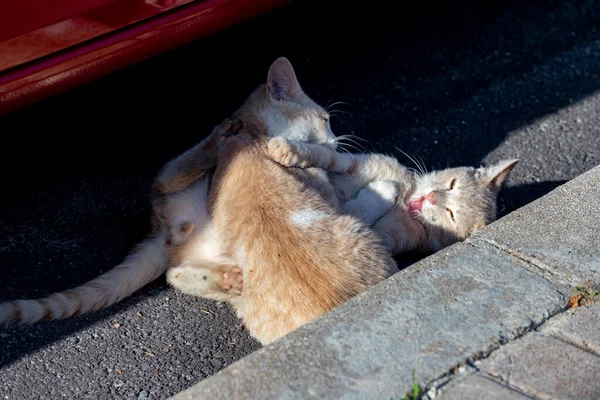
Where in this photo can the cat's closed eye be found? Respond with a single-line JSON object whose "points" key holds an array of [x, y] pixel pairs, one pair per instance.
{"points": [[450, 213], [452, 183]]}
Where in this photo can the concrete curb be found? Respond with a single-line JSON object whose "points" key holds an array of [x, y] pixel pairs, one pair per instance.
{"points": [[444, 312]]}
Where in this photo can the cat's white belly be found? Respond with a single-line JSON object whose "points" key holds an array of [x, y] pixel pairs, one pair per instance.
{"points": [[191, 205], [206, 245]]}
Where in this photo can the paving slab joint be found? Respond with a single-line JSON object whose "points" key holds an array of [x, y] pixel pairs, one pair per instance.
{"points": [[505, 383], [531, 264], [470, 365], [450, 378], [540, 265], [574, 344], [440, 386]]}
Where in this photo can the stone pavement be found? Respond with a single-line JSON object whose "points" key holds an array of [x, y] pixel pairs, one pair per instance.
{"points": [[488, 318], [560, 360]]}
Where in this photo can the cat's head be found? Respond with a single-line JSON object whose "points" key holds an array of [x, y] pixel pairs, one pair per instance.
{"points": [[455, 202], [281, 108]]}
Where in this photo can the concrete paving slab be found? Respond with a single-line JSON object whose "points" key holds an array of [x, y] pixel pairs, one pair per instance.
{"points": [[558, 234], [547, 367], [477, 387], [580, 326], [430, 317]]}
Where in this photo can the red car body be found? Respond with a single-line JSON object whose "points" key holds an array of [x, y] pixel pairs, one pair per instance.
{"points": [[47, 47]]}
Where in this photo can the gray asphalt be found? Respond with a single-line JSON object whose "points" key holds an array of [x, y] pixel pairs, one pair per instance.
{"points": [[459, 85]]}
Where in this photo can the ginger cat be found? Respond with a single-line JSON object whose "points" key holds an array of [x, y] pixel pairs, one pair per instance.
{"points": [[179, 196], [300, 255], [434, 210], [279, 233]]}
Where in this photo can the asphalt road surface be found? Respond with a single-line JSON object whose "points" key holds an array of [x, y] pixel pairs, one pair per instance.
{"points": [[453, 85]]}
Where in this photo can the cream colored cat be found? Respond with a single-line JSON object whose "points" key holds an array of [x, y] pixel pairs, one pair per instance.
{"points": [[434, 210]]}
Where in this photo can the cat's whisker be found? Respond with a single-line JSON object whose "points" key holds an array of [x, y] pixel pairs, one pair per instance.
{"points": [[348, 145], [413, 160], [343, 150], [357, 138], [419, 217], [357, 147], [341, 138], [334, 104], [327, 104], [351, 137], [344, 147], [423, 164], [414, 171], [354, 144], [420, 162]]}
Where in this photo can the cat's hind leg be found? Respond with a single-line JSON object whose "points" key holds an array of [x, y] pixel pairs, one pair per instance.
{"points": [[220, 282], [233, 279], [183, 170]]}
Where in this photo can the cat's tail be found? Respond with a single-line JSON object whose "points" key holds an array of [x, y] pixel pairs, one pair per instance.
{"points": [[147, 262]]}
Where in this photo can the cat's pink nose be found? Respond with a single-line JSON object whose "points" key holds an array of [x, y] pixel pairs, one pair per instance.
{"points": [[431, 197]]}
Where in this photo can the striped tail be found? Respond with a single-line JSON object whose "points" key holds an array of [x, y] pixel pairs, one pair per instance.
{"points": [[146, 263]]}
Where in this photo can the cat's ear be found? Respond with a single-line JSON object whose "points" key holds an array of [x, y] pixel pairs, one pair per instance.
{"points": [[494, 176], [282, 83]]}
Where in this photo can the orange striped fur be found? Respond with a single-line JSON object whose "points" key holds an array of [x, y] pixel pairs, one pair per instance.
{"points": [[299, 238], [299, 254]]}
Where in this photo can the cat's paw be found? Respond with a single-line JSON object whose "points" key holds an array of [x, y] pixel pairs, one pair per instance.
{"points": [[283, 152], [387, 191], [377, 198], [233, 281]]}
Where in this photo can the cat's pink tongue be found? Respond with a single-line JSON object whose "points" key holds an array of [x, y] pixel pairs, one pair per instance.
{"points": [[415, 205]]}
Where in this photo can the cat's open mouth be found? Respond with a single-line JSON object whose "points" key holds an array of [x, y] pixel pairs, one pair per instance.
{"points": [[414, 206]]}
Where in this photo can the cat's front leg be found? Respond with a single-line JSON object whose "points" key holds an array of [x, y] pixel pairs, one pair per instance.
{"points": [[292, 153], [289, 153], [373, 201]]}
